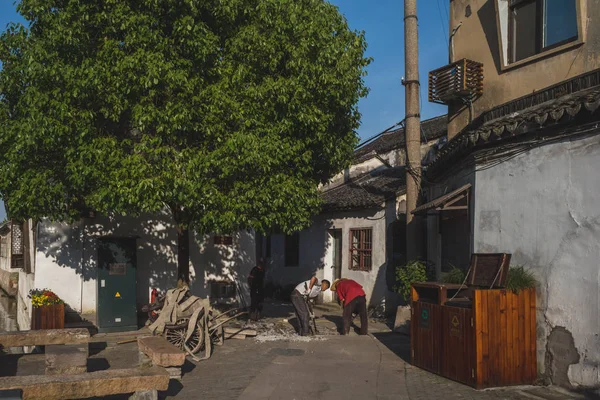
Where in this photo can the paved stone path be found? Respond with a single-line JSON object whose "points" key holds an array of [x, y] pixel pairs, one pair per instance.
{"points": [[337, 368]]}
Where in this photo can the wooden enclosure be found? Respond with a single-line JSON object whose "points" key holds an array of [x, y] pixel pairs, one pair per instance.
{"points": [[490, 343], [48, 317]]}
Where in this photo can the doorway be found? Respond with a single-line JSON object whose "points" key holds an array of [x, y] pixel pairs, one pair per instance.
{"points": [[336, 249], [116, 299]]}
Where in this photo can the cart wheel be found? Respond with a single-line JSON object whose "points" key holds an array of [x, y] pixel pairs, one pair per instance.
{"points": [[175, 334]]}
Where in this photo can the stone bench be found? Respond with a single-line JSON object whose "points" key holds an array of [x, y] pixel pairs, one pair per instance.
{"points": [[66, 359], [161, 353], [44, 337], [91, 384]]}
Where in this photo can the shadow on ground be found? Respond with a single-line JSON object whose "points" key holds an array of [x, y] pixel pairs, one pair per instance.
{"points": [[398, 344]]}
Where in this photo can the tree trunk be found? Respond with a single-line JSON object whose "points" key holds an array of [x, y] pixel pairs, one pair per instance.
{"points": [[183, 255]]}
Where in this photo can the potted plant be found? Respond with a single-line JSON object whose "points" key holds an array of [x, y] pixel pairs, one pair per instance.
{"points": [[48, 310], [406, 275]]}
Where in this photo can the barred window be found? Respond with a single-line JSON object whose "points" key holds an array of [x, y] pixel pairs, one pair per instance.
{"points": [[361, 246], [224, 240], [222, 290]]}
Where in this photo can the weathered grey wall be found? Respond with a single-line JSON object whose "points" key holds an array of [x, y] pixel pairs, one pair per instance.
{"points": [[543, 207]]}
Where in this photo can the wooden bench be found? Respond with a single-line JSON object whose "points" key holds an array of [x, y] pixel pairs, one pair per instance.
{"points": [[44, 337], [91, 384]]}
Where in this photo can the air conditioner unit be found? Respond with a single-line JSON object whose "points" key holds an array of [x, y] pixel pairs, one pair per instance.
{"points": [[460, 81]]}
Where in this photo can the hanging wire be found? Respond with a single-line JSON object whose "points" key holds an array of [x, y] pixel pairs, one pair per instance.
{"points": [[443, 26]]}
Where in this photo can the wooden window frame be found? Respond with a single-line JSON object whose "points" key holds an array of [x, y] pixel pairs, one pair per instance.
{"points": [[223, 240], [364, 249], [539, 34], [230, 289]]}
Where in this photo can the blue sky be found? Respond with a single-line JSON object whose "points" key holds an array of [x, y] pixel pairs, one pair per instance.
{"points": [[382, 21]]}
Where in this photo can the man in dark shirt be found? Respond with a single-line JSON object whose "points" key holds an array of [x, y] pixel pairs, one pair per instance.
{"points": [[256, 282], [353, 298]]}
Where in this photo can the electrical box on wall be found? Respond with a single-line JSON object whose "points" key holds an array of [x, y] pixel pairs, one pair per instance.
{"points": [[116, 301]]}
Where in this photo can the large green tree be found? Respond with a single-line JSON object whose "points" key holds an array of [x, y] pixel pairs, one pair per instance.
{"points": [[227, 113]]}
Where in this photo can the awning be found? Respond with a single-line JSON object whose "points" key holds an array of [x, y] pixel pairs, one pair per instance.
{"points": [[455, 200]]}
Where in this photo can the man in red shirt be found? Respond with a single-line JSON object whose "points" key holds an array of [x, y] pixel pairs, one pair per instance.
{"points": [[353, 297]]}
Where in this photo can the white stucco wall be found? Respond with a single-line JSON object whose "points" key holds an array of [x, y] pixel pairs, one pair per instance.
{"points": [[543, 208], [316, 257], [67, 258]]}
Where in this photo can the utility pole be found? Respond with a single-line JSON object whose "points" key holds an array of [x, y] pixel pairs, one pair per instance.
{"points": [[412, 128]]}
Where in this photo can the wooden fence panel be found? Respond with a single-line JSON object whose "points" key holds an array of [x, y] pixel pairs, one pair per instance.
{"points": [[426, 336], [458, 361]]}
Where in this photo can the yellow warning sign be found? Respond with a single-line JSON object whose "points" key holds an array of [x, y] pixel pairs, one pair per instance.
{"points": [[118, 294]]}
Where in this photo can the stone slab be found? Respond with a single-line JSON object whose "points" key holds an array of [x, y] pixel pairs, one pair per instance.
{"points": [[65, 356], [44, 337], [145, 395], [161, 352], [92, 384]]}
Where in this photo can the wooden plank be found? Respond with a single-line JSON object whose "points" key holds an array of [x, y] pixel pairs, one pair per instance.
{"points": [[477, 314], [510, 339], [493, 338], [533, 336], [503, 343], [240, 331], [515, 333], [527, 333], [485, 339]]}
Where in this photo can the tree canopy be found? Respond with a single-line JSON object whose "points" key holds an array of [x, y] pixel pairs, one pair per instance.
{"points": [[229, 113]]}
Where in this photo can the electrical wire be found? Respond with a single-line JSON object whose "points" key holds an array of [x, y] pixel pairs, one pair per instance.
{"points": [[442, 19]]}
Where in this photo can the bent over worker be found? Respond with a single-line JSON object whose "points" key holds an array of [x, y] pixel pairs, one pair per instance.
{"points": [[354, 300], [300, 295]]}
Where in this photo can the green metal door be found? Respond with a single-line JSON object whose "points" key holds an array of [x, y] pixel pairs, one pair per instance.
{"points": [[116, 305]]}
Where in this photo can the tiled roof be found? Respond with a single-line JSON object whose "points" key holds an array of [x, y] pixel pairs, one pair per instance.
{"points": [[492, 132], [368, 191], [431, 129]]}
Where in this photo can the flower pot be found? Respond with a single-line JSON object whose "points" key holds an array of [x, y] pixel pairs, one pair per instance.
{"points": [[48, 317]]}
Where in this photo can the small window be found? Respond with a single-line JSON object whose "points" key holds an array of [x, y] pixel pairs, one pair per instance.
{"points": [[223, 240], [222, 290], [539, 25], [361, 247], [292, 250]]}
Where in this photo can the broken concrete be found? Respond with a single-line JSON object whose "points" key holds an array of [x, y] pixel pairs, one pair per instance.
{"points": [[161, 352], [560, 354], [44, 337], [92, 384], [66, 359]]}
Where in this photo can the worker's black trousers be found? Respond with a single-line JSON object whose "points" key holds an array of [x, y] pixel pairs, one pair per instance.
{"points": [[301, 312], [358, 305], [256, 299]]}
